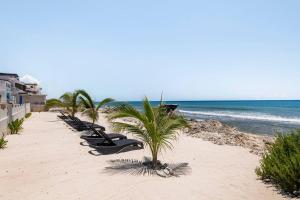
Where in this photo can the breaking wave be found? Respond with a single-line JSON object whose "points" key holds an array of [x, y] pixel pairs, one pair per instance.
{"points": [[245, 116]]}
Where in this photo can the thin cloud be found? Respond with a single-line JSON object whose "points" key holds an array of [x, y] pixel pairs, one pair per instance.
{"points": [[29, 79]]}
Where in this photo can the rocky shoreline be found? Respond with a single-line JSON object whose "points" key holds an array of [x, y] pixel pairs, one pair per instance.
{"points": [[222, 134]]}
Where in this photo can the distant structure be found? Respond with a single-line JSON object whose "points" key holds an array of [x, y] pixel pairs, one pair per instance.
{"points": [[33, 95], [15, 91], [170, 108]]}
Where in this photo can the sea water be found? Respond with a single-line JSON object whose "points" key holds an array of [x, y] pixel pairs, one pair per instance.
{"points": [[260, 117]]}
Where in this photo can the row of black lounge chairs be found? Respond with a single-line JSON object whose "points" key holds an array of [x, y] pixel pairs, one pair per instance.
{"points": [[104, 143]]}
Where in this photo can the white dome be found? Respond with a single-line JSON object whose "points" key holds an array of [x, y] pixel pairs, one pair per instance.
{"points": [[29, 79]]}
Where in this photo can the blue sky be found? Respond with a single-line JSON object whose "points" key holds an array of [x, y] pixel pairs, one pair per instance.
{"points": [[190, 50]]}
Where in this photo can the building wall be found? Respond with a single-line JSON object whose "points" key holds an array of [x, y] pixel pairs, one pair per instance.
{"points": [[11, 112], [33, 89], [3, 120], [37, 102], [18, 112], [27, 108], [37, 108], [2, 96], [5, 91]]}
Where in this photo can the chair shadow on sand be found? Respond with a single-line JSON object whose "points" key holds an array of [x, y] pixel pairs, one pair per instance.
{"points": [[142, 167]]}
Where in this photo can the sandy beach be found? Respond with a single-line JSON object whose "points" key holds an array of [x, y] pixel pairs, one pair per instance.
{"points": [[47, 162]]}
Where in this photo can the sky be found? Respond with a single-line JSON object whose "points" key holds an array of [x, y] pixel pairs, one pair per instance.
{"points": [[189, 50]]}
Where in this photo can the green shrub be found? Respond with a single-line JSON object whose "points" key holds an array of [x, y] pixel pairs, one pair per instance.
{"points": [[27, 115], [15, 126], [3, 142], [281, 163]]}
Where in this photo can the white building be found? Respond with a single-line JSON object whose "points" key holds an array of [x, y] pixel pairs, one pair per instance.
{"points": [[14, 91], [11, 89], [33, 94], [5, 91]]}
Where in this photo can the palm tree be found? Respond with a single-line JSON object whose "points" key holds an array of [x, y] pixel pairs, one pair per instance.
{"points": [[154, 126], [50, 103], [68, 101], [90, 109]]}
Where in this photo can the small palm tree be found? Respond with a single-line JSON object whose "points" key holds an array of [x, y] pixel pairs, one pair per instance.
{"points": [[50, 103], [68, 101], [89, 108], [154, 126], [3, 142], [16, 126]]}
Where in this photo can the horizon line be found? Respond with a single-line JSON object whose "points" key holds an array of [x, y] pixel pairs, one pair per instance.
{"points": [[210, 100]]}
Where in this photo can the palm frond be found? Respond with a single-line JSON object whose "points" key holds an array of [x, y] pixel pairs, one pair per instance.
{"points": [[67, 97], [84, 102], [132, 128], [91, 114], [88, 105], [70, 101], [148, 109], [85, 95], [155, 126], [103, 102], [75, 103], [50, 103], [126, 110]]}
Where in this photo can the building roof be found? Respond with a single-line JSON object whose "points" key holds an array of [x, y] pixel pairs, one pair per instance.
{"points": [[20, 86], [20, 91], [9, 74]]}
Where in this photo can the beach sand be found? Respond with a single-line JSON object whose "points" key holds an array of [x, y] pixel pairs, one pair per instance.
{"points": [[47, 162]]}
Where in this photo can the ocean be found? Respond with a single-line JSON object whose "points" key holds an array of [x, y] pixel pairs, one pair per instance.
{"points": [[259, 117]]}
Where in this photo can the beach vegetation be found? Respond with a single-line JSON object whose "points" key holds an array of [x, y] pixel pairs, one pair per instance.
{"points": [[3, 142], [90, 109], [281, 163], [27, 115], [16, 126], [50, 103], [68, 101], [154, 126]]}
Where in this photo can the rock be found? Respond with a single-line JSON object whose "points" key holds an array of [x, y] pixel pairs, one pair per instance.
{"points": [[221, 134], [107, 110]]}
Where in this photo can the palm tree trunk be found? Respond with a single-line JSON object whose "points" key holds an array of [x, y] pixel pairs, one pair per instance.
{"points": [[94, 117], [74, 110], [154, 159]]}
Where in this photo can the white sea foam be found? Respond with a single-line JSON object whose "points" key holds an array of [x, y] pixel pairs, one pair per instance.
{"points": [[252, 116]]}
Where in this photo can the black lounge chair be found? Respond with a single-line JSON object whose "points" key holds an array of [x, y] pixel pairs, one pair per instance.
{"points": [[83, 125], [108, 145], [77, 124], [99, 136]]}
